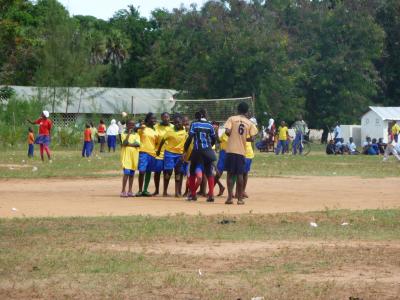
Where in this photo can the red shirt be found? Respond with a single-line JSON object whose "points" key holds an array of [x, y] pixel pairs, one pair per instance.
{"points": [[101, 128], [44, 126], [88, 135]]}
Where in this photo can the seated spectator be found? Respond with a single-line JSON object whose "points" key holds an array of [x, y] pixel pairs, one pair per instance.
{"points": [[339, 146], [351, 147], [381, 146], [331, 148], [375, 147], [368, 148], [366, 145]]}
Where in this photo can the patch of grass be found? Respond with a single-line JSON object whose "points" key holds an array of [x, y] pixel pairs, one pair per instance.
{"points": [[54, 257], [69, 163], [366, 224]]}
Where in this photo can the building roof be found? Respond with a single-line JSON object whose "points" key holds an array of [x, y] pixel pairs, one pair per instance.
{"points": [[100, 100], [387, 113]]}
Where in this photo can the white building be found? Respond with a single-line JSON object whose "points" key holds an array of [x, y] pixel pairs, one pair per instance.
{"points": [[375, 123]]}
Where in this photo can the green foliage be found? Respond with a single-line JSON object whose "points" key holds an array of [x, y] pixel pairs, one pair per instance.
{"points": [[13, 115], [325, 59]]}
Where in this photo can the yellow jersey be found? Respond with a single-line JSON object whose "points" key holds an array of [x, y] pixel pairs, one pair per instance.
{"points": [[249, 150], [175, 141], [149, 140], [283, 133], [223, 141], [396, 129], [130, 155], [161, 131]]}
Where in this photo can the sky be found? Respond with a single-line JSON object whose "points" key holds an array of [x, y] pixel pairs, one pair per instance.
{"points": [[105, 9]]}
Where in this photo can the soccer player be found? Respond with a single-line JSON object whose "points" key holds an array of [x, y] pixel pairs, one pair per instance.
{"points": [[186, 156], [174, 141], [147, 155], [223, 142], [249, 159], [162, 128], [203, 156], [238, 128], [130, 142], [43, 139]]}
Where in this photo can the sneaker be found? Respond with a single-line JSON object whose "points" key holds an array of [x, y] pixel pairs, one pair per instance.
{"points": [[123, 195], [130, 194], [138, 194], [240, 202], [146, 194], [210, 199]]}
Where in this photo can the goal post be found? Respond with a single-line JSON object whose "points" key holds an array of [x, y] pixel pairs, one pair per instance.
{"points": [[217, 109]]}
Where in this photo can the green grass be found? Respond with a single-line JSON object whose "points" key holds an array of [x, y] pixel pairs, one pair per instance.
{"points": [[68, 163], [71, 257]]}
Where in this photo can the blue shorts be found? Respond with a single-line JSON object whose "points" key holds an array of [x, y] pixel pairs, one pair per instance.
{"points": [[221, 161], [199, 168], [158, 165], [247, 167], [171, 160], [128, 172], [146, 162]]}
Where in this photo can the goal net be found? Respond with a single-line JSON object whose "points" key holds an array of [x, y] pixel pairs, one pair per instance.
{"points": [[217, 109]]}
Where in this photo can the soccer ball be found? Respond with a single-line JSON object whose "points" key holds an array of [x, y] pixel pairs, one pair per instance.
{"points": [[124, 114]]}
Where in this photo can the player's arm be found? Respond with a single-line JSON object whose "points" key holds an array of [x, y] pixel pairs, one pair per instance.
{"points": [[160, 146], [252, 133], [228, 127], [189, 138]]}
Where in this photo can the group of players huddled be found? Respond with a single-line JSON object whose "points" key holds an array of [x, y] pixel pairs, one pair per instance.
{"points": [[188, 150]]}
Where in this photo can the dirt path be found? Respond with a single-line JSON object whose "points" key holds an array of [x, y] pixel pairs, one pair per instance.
{"points": [[99, 197]]}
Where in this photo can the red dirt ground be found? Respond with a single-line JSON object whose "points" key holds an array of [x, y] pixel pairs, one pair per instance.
{"points": [[100, 197]]}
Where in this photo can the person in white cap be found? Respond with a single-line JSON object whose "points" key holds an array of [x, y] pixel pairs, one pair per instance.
{"points": [[44, 137], [112, 132]]}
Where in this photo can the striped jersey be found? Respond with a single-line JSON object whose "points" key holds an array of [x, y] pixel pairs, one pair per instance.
{"points": [[203, 135]]}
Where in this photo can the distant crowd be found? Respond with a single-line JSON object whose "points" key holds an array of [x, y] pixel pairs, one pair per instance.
{"points": [[371, 146]]}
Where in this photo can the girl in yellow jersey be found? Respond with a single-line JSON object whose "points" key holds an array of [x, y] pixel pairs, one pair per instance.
{"points": [[223, 141], [174, 141], [147, 156], [130, 142], [162, 128]]}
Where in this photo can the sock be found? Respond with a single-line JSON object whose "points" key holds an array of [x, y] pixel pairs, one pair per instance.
{"points": [[192, 185], [210, 186], [147, 178]]}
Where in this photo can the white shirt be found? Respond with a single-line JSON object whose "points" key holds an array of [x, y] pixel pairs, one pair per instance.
{"points": [[113, 129], [337, 132], [352, 147]]}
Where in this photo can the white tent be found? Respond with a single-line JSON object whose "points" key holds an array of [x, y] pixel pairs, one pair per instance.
{"points": [[99, 100], [375, 123]]}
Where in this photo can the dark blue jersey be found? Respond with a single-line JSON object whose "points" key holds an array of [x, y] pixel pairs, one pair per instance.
{"points": [[203, 135]]}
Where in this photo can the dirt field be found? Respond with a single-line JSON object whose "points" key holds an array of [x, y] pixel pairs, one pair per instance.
{"points": [[100, 197]]}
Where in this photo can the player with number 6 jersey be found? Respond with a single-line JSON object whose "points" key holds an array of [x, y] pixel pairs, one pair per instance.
{"points": [[240, 131]]}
